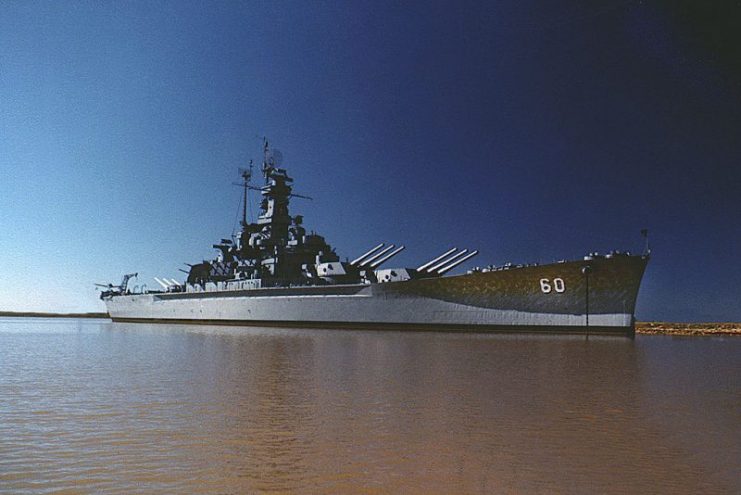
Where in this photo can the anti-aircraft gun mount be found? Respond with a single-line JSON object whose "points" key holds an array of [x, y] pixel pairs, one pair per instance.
{"points": [[117, 290]]}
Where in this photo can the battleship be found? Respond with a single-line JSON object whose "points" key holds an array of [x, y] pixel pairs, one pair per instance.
{"points": [[273, 272]]}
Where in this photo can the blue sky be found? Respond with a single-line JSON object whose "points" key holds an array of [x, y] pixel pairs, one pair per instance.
{"points": [[532, 131]]}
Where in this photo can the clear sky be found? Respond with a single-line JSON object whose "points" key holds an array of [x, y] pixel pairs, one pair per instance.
{"points": [[532, 131]]}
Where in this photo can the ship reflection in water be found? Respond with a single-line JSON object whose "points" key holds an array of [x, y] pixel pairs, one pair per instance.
{"points": [[99, 407]]}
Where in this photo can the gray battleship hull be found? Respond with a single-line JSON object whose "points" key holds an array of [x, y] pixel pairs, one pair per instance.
{"points": [[557, 297]]}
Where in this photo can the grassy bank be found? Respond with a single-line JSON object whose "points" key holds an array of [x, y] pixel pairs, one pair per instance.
{"points": [[667, 328]]}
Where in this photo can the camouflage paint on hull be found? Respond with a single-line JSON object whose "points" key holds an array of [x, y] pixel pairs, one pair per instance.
{"points": [[613, 287]]}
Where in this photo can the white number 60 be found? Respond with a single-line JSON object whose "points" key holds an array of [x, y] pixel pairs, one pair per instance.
{"points": [[558, 285]]}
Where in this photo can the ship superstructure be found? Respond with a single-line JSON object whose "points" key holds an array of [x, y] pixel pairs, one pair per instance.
{"points": [[274, 272], [277, 251]]}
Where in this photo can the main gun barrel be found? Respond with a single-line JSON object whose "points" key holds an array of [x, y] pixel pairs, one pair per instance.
{"points": [[457, 255], [456, 263], [373, 258], [383, 260], [368, 253], [432, 262]]}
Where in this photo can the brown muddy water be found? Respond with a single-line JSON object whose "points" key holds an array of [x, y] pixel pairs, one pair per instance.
{"points": [[90, 406]]}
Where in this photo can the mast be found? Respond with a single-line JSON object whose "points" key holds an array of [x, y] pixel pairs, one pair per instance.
{"points": [[265, 159], [246, 175]]}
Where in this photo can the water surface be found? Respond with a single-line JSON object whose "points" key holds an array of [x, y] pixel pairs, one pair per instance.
{"points": [[90, 406]]}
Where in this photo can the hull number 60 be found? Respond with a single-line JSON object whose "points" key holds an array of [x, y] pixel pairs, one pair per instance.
{"points": [[547, 286]]}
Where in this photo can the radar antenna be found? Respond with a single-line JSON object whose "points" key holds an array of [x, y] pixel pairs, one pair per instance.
{"points": [[271, 158], [275, 158]]}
